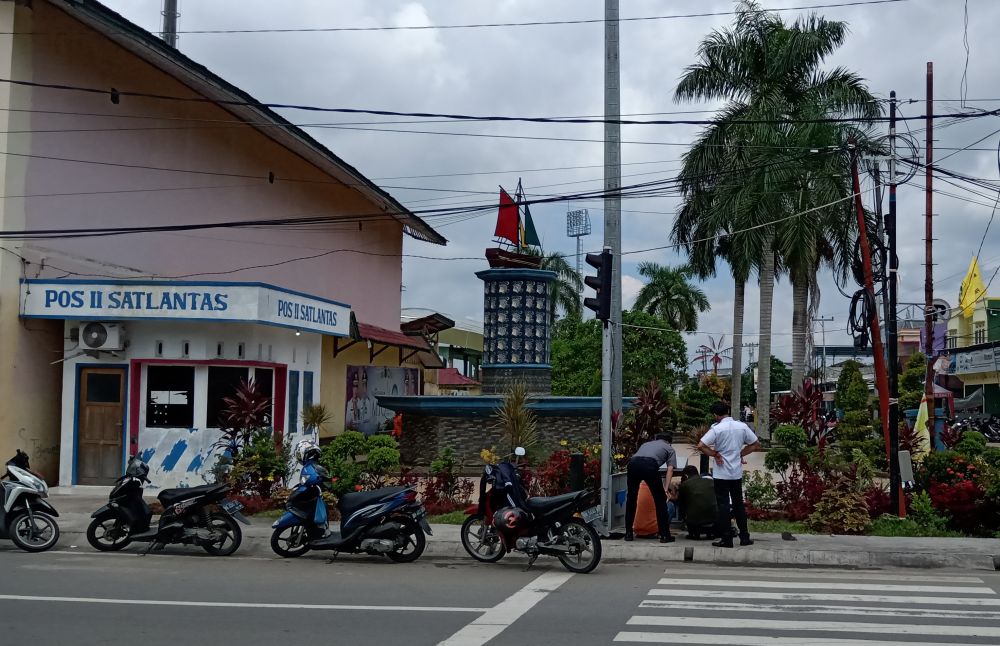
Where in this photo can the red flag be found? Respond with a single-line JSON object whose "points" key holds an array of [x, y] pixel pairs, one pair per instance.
{"points": [[507, 219]]}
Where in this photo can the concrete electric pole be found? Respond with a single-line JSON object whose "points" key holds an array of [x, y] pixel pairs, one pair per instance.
{"points": [[612, 341]]}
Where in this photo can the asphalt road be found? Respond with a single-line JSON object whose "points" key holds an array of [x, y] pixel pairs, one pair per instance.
{"points": [[75, 596]]}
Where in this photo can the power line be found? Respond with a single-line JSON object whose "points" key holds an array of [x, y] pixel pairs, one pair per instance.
{"points": [[115, 96], [532, 23]]}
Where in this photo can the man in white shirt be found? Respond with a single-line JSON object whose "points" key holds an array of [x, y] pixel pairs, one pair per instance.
{"points": [[729, 441]]}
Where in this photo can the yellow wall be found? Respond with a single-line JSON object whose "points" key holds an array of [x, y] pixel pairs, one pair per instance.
{"points": [[333, 379]]}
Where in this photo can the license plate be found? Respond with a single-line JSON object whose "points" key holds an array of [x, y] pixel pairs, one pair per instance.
{"points": [[592, 514], [231, 506]]}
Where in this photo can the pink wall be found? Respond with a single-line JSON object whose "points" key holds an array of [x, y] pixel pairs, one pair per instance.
{"points": [[370, 284]]}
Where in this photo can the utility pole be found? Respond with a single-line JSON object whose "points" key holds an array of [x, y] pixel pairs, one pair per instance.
{"points": [[170, 15], [823, 320], [929, 259], [612, 340], [881, 381], [891, 323]]}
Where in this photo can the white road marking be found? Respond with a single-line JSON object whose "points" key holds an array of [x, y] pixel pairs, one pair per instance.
{"points": [[495, 620], [757, 640], [824, 585], [937, 613], [862, 598], [830, 626], [227, 604], [678, 574]]}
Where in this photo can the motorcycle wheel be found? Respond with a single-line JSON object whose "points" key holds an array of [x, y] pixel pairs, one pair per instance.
{"points": [[109, 533], [581, 535], [232, 535], [290, 542], [481, 541], [39, 538], [413, 540]]}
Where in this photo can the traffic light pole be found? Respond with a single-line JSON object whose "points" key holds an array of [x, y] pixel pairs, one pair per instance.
{"points": [[611, 368]]}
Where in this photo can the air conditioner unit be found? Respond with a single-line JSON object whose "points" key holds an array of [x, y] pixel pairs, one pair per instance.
{"points": [[98, 335]]}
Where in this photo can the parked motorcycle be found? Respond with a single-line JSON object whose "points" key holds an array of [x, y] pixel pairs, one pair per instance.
{"points": [[506, 520], [200, 516], [387, 521], [25, 517]]}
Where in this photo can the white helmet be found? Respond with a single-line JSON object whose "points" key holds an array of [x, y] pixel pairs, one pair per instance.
{"points": [[306, 450]]}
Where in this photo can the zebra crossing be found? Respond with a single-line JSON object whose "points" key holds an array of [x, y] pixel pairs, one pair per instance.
{"points": [[759, 607]]}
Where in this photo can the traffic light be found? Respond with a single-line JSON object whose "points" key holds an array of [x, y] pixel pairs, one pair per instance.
{"points": [[601, 283]]}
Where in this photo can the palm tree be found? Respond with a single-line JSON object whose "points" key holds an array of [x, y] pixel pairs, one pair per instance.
{"points": [[567, 286], [669, 295], [743, 177]]}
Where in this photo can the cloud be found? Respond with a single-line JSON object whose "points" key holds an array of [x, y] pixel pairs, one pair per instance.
{"points": [[630, 290]]}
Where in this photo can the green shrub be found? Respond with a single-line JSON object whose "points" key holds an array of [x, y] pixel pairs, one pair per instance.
{"points": [[888, 525], [791, 437], [375, 441], [973, 443], [347, 446], [261, 467], [778, 460], [923, 513], [841, 510], [759, 489]]}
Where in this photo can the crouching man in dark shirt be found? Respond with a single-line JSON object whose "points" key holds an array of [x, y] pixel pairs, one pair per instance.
{"points": [[696, 502]]}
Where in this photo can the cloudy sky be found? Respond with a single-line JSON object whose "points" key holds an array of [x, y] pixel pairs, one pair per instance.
{"points": [[558, 71]]}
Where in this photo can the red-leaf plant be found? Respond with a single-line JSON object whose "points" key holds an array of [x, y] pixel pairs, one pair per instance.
{"points": [[803, 407]]}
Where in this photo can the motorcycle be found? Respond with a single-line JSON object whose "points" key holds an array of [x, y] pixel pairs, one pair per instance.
{"points": [[200, 516], [506, 520], [388, 521], [25, 517]]}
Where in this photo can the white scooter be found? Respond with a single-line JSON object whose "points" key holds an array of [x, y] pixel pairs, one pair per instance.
{"points": [[25, 517]]}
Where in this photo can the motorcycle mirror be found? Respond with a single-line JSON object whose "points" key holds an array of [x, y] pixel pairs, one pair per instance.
{"points": [[519, 451]]}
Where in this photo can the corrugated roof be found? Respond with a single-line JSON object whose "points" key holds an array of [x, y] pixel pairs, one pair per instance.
{"points": [[203, 81]]}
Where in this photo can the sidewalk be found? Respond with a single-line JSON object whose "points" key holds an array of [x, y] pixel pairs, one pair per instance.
{"points": [[768, 550]]}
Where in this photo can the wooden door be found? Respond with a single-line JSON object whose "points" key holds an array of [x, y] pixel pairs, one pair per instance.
{"points": [[101, 425]]}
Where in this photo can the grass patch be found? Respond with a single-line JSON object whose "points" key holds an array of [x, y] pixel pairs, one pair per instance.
{"points": [[906, 527], [778, 526], [269, 513], [451, 518]]}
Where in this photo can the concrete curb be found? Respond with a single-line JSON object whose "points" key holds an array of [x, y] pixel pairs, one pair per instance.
{"points": [[256, 544]]}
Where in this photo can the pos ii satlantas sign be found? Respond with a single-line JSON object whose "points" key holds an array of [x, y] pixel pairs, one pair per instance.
{"points": [[192, 301]]}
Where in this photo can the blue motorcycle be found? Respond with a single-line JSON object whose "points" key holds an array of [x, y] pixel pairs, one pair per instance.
{"points": [[388, 521]]}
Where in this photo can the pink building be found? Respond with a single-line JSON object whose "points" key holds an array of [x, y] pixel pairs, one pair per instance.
{"points": [[176, 316]]}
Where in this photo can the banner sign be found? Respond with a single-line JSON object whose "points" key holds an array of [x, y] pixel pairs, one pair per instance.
{"points": [[190, 301], [976, 361], [364, 383]]}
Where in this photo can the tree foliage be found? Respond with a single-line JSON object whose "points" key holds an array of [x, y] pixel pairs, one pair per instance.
{"points": [[670, 295], [852, 391], [650, 351]]}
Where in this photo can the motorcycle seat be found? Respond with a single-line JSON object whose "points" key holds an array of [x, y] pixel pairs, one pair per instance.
{"points": [[543, 505], [356, 500], [169, 497]]}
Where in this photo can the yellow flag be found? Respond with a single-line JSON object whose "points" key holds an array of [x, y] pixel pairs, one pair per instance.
{"points": [[922, 432], [972, 290]]}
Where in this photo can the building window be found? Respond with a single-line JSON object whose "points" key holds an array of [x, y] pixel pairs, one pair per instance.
{"points": [[222, 382], [159, 349], [952, 339], [170, 396], [980, 334], [185, 349], [220, 349]]}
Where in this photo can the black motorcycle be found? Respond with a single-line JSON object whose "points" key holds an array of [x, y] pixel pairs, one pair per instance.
{"points": [[388, 521], [200, 516], [507, 520]]}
